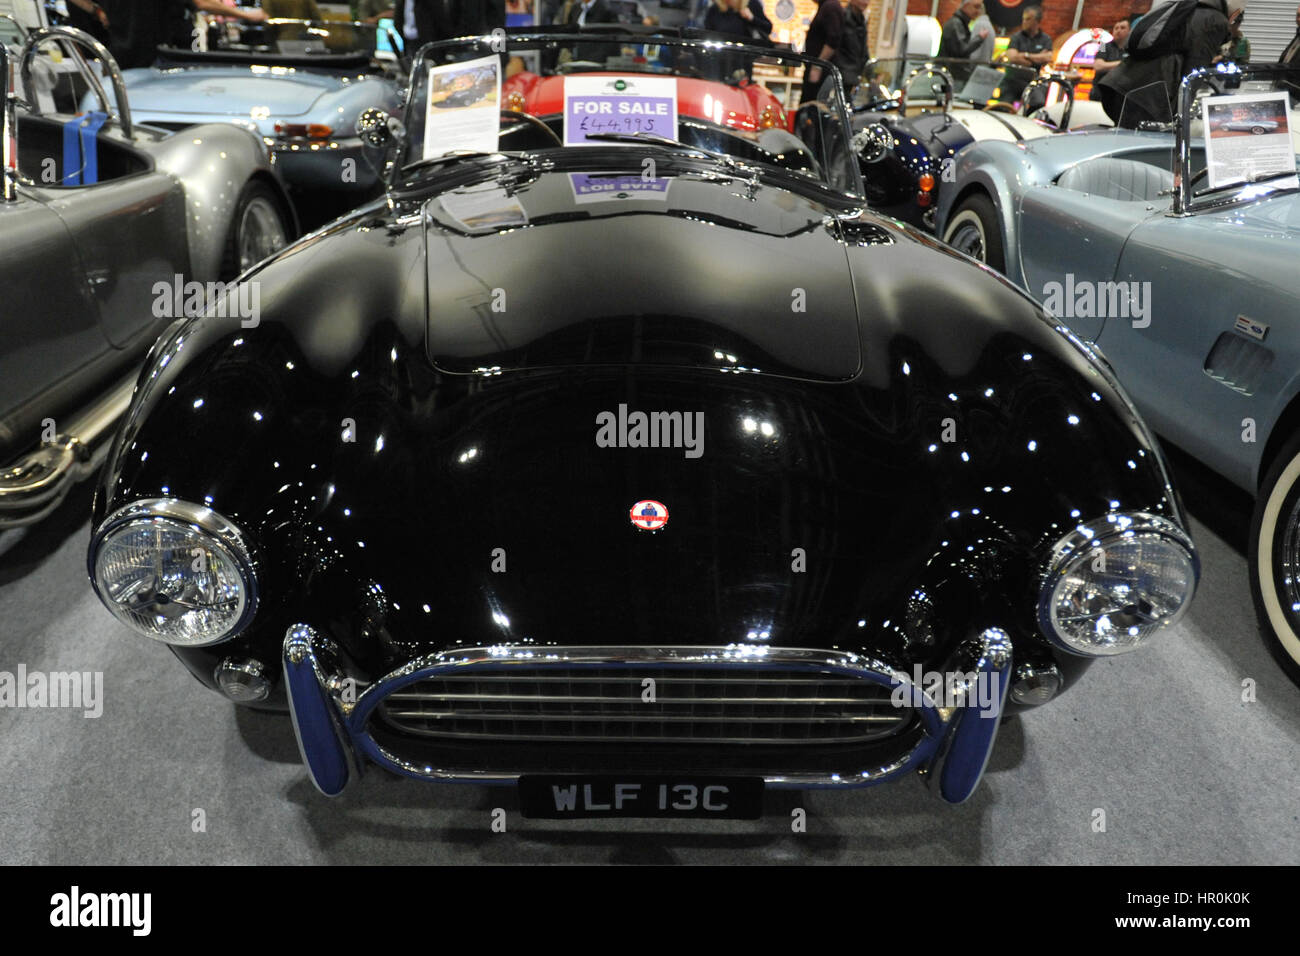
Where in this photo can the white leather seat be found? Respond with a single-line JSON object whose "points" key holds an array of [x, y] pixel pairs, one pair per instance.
{"points": [[1112, 178]]}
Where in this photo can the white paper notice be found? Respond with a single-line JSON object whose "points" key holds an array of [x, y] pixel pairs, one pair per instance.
{"points": [[1249, 139], [463, 111]]}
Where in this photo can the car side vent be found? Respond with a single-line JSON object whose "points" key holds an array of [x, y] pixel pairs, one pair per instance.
{"points": [[1238, 363]]}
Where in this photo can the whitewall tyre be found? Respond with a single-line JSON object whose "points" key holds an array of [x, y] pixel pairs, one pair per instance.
{"points": [[1275, 558], [974, 230]]}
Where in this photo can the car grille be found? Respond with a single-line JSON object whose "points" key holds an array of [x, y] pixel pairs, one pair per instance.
{"points": [[759, 705]]}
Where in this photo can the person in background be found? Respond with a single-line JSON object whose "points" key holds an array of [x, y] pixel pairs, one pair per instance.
{"points": [[89, 16], [742, 18], [291, 9], [1237, 49], [958, 41], [852, 55], [1291, 55], [984, 52], [1030, 46], [419, 22], [1141, 90], [824, 36], [251, 14], [372, 11], [1110, 54], [583, 12]]}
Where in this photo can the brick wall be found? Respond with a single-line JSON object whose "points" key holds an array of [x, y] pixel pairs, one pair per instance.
{"points": [[1058, 15]]}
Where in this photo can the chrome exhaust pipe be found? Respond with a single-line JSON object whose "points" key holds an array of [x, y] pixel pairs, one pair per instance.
{"points": [[37, 483]]}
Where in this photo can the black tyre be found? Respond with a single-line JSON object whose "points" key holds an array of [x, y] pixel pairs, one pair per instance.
{"points": [[260, 226], [1275, 558], [975, 230]]}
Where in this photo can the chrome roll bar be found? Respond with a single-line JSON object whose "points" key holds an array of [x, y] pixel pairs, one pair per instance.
{"points": [[928, 69], [79, 37]]}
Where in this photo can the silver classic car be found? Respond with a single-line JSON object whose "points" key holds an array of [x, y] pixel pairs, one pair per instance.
{"points": [[300, 85], [98, 216], [1191, 290]]}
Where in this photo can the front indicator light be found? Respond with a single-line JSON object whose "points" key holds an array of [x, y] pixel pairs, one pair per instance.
{"points": [[1113, 583], [1035, 684], [243, 681], [176, 572]]}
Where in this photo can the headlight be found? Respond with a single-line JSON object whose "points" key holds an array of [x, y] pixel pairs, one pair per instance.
{"points": [[1112, 583], [174, 571]]}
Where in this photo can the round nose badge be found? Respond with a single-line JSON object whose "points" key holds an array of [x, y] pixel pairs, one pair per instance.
{"points": [[649, 515]]}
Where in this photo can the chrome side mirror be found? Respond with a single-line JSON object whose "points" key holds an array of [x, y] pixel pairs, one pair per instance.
{"points": [[377, 128], [872, 142]]}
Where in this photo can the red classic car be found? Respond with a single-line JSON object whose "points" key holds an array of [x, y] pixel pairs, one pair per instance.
{"points": [[743, 105]]}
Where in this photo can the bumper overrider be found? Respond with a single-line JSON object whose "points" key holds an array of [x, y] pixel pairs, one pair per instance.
{"points": [[337, 734]]}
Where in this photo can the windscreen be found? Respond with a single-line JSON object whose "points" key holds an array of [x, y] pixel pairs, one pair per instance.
{"points": [[538, 92], [977, 84], [290, 39]]}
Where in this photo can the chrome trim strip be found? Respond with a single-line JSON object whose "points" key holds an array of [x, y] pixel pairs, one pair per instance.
{"points": [[934, 721], [201, 517]]}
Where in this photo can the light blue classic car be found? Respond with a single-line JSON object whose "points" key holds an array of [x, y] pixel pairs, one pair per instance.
{"points": [[299, 85], [1192, 293]]}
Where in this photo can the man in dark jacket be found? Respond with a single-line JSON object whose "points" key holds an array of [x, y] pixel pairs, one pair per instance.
{"points": [[419, 22], [822, 40], [852, 55], [957, 43], [1147, 89]]}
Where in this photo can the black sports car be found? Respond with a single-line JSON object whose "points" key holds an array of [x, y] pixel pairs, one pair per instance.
{"points": [[646, 474]]}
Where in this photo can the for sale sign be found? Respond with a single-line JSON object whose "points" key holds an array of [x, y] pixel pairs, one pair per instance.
{"points": [[618, 104]]}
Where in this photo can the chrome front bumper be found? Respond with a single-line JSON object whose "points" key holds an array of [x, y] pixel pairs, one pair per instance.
{"points": [[330, 716]]}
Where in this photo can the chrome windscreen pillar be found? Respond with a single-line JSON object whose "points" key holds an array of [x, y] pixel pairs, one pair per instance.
{"points": [[316, 722]]}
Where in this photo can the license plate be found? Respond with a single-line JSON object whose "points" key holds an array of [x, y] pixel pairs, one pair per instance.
{"points": [[611, 795]]}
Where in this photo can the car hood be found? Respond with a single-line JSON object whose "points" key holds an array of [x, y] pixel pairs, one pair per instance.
{"points": [[408, 511], [601, 267], [230, 91]]}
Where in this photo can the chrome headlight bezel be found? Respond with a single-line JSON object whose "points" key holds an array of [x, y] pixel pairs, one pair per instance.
{"points": [[1082, 543], [198, 519]]}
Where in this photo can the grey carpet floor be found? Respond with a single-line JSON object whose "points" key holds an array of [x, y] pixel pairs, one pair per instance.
{"points": [[1161, 741]]}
